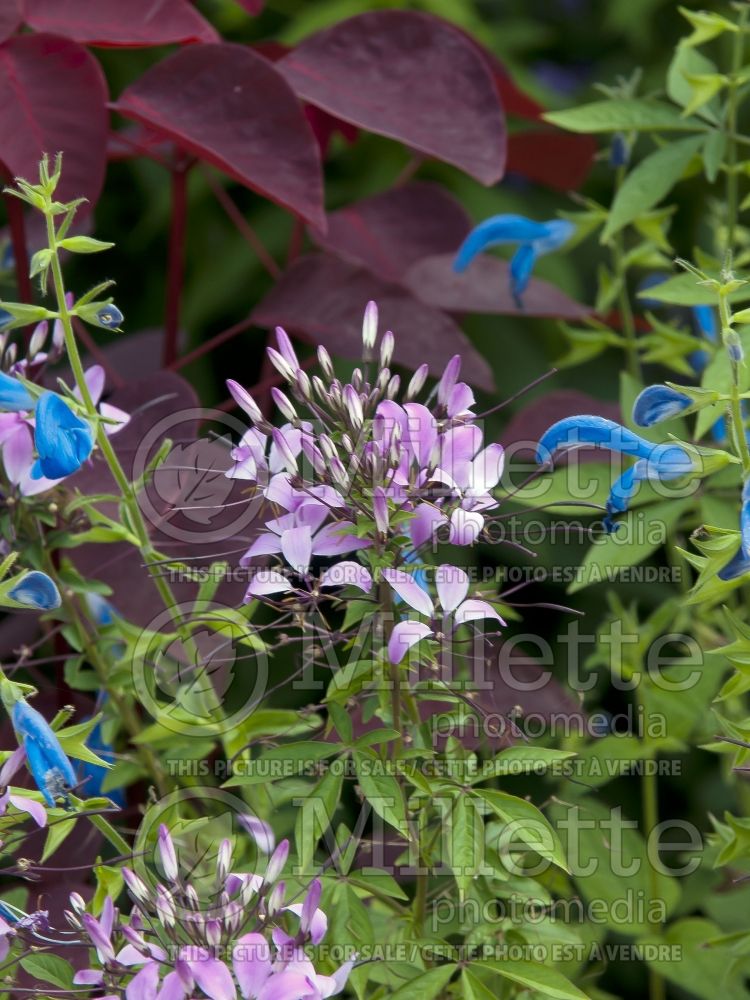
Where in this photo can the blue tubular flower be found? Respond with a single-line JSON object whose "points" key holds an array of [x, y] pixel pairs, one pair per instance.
{"points": [[657, 403], [51, 769], [739, 564], [13, 395], [655, 461], [63, 441], [36, 590], [533, 239]]}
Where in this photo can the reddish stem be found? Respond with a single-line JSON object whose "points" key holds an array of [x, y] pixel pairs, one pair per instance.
{"points": [[17, 225], [175, 262], [242, 225], [210, 344]]}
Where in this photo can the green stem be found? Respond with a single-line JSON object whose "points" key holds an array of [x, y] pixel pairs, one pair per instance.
{"points": [[623, 299], [735, 405], [129, 497], [650, 820], [738, 45]]}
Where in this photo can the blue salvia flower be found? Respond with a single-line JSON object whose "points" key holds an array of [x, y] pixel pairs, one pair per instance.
{"points": [[739, 564], [49, 766], [619, 151], [654, 461], [36, 590], [110, 317], [533, 238], [657, 403], [63, 441], [13, 395]]}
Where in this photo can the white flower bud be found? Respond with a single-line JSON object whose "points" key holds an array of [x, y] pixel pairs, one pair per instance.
{"points": [[370, 326]]}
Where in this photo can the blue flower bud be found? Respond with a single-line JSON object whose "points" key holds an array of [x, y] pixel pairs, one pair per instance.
{"points": [[657, 403], [63, 441], [110, 317], [49, 766], [36, 590], [13, 395]]}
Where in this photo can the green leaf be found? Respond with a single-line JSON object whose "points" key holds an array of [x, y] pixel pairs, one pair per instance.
{"points": [[530, 824], [381, 789], [624, 115], [288, 761], [427, 986], [49, 969], [684, 290], [56, 834], [606, 560], [522, 760], [315, 815], [651, 180], [473, 988], [84, 244], [688, 60], [547, 982], [464, 833], [705, 25]]}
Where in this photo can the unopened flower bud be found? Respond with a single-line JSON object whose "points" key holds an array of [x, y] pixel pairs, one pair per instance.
{"points": [[165, 910], [167, 855], [357, 379], [77, 902], [353, 405], [38, 338], [279, 439], [73, 920], [338, 472], [284, 404], [417, 381], [313, 455], [191, 896], [244, 400], [384, 377], [370, 326], [285, 348], [224, 860], [320, 388], [324, 360], [386, 349], [275, 899], [281, 365], [303, 385], [393, 386], [213, 932], [136, 886], [276, 863], [327, 447], [448, 379]]}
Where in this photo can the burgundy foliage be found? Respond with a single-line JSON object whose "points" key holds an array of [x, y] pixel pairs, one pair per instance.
{"points": [[411, 77], [114, 23], [10, 17], [228, 106], [320, 298], [53, 98]]}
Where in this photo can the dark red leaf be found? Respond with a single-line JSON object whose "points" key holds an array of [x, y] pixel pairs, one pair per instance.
{"points": [[554, 158], [53, 97], [409, 76], [10, 17], [229, 106], [253, 7], [322, 299], [485, 288], [391, 231], [114, 23], [323, 125]]}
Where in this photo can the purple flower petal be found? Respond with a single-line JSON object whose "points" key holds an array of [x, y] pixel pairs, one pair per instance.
{"points": [[267, 581], [167, 854], [425, 523], [335, 539], [408, 590], [452, 586], [213, 977], [474, 610], [421, 431], [251, 961], [88, 977], [466, 526], [18, 453], [260, 831], [288, 986], [296, 547], [35, 809], [172, 988], [461, 400], [347, 573], [403, 637], [11, 766], [487, 468], [145, 984]]}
